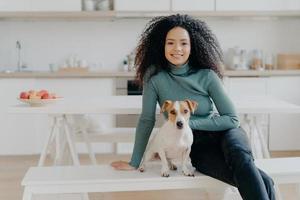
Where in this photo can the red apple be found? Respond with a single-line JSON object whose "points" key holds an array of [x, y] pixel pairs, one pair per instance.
{"points": [[46, 96], [42, 92], [24, 95]]}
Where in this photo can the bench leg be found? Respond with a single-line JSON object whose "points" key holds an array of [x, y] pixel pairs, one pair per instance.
{"points": [[27, 195]]}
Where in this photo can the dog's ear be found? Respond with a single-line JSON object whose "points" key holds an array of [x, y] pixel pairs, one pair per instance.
{"points": [[166, 105], [191, 104]]}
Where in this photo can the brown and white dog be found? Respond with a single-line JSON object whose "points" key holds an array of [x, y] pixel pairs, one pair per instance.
{"points": [[174, 139]]}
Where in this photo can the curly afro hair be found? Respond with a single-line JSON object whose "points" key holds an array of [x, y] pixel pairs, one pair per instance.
{"points": [[205, 49]]}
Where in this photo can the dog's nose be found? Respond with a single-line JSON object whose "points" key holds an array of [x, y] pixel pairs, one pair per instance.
{"points": [[179, 124]]}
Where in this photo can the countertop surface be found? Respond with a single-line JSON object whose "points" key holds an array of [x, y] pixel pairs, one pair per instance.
{"points": [[121, 74]]}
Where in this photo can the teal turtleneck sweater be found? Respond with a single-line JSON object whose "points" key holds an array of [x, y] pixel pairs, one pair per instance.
{"points": [[203, 86]]}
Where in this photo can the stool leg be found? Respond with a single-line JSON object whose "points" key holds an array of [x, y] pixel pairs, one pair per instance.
{"points": [[27, 195], [70, 142], [45, 148], [89, 147], [57, 147]]}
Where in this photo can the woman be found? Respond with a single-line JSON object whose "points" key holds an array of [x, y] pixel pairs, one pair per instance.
{"points": [[178, 58]]}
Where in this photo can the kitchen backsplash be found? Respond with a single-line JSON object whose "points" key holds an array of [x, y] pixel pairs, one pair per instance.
{"points": [[105, 44]]}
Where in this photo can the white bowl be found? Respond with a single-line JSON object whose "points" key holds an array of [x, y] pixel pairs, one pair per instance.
{"points": [[39, 102]]}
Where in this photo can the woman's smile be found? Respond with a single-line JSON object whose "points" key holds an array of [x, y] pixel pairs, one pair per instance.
{"points": [[177, 46]]}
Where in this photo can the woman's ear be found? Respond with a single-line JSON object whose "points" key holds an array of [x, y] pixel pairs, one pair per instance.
{"points": [[166, 106], [191, 104]]}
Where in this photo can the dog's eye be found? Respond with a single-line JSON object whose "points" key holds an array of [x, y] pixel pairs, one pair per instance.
{"points": [[185, 111], [173, 112]]}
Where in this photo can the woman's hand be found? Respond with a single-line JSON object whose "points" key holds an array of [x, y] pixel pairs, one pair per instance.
{"points": [[122, 165]]}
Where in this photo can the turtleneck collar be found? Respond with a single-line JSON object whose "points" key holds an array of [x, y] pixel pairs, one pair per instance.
{"points": [[179, 70]]}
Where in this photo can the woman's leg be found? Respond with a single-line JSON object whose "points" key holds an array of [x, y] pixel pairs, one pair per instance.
{"points": [[251, 182], [208, 157]]}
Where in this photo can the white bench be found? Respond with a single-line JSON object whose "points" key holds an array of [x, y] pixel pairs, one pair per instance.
{"points": [[102, 178]]}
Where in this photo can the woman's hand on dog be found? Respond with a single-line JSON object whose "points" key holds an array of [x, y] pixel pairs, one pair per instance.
{"points": [[122, 165]]}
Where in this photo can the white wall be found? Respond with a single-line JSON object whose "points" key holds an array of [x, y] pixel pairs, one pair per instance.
{"points": [[46, 42]]}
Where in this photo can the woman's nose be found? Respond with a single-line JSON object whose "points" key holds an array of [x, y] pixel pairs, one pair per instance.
{"points": [[177, 47]]}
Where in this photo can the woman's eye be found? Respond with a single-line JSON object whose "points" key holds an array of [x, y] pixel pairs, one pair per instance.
{"points": [[184, 43], [185, 111], [173, 112], [169, 43]]}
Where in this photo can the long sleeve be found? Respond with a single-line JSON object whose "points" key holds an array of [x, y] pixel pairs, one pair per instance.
{"points": [[227, 117], [145, 124]]}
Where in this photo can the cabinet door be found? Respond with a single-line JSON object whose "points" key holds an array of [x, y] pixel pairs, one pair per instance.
{"points": [[247, 86], [285, 128], [193, 5], [55, 5], [257, 5], [18, 132], [40, 5], [14, 5], [142, 5]]}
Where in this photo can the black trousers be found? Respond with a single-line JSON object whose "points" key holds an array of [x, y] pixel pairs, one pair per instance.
{"points": [[226, 156]]}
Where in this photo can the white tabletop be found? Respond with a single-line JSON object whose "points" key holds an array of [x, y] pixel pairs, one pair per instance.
{"points": [[133, 105]]}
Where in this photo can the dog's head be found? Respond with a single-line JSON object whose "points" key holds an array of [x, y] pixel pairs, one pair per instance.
{"points": [[179, 112]]}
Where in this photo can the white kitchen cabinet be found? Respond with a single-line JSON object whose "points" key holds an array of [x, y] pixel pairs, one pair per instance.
{"points": [[142, 5], [246, 86], [285, 129], [17, 132], [193, 5], [40, 5], [257, 5]]}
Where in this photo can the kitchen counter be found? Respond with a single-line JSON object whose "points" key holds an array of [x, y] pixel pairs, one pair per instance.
{"points": [[264, 73], [120, 74], [45, 74]]}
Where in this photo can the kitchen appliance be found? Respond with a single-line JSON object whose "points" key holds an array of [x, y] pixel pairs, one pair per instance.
{"points": [[133, 88]]}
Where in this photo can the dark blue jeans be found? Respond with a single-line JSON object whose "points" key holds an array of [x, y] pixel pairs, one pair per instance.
{"points": [[226, 156]]}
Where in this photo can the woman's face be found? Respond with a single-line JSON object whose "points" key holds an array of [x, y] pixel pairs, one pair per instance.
{"points": [[177, 46]]}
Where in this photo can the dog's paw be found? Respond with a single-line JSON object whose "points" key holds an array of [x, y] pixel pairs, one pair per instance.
{"points": [[165, 174], [188, 172], [173, 167]]}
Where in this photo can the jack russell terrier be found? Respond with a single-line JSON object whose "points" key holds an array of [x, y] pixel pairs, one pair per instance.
{"points": [[174, 139]]}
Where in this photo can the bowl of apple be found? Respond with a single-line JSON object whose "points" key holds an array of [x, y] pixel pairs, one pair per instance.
{"points": [[38, 98]]}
